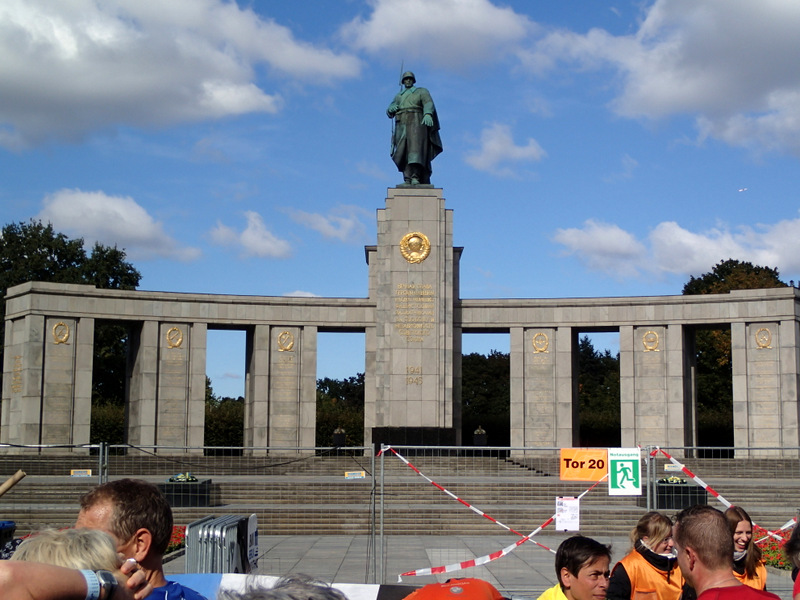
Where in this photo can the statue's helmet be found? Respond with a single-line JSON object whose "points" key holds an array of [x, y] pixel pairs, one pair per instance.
{"points": [[406, 75]]}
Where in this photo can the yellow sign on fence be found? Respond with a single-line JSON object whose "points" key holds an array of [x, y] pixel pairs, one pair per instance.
{"points": [[583, 464]]}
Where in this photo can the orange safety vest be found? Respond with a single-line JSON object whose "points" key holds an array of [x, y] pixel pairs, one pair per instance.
{"points": [[650, 583], [758, 581]]}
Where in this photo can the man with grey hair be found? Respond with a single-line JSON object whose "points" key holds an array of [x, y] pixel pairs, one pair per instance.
{"points": [[290, 587], [705, 555]]}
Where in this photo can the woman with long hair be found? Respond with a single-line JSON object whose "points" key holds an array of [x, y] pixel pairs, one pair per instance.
{"points": [[650, 570], [748, 566]]}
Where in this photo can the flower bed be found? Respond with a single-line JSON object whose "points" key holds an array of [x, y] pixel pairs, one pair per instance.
{"points": [[178, 539], [772, 549]]}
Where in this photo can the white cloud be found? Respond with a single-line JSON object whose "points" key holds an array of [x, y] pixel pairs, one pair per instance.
{"points": [[603, 247], [730, 65], [343, 224], [672, 249], [254, 240], [77, 67], [112, 220], [498, 148], [446, 33]]}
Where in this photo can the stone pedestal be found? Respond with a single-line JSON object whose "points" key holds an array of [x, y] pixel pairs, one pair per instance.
{"points": [[412, 274]]}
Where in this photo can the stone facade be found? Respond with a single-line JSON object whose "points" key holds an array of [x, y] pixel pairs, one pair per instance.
{"points": [[413, 320]]}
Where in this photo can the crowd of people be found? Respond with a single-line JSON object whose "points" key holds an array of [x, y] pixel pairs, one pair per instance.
{"points": [[123, 528], [704, 554]]}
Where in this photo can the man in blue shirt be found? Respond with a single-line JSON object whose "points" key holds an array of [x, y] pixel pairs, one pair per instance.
{"points": [[139, 518]]}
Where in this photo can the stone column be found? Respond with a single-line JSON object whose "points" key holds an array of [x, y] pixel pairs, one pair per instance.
{"points": [[627, 387], [140, 410], [196, 410], [678, 385], [547, 414], [23, 360], [82, 391], [517, 387], [180, 395], [307, 422], [412, 279], [566, 387], [256, 394], [789, 334], [757, 394], [292, 414]]}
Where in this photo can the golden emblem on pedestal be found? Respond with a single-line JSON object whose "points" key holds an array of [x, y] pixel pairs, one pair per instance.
{"points": [[650, 341], [174, 337], [764, 338], [285, 341], [415, 247], [540, 343], [60, 333]]}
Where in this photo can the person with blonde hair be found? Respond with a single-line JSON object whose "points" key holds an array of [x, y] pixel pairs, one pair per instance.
{"points": [[650, 569], [748, 566], [67, 564], [72, 548]]}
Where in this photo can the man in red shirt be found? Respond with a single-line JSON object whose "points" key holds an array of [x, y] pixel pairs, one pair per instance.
{"points": [[705, 555]]}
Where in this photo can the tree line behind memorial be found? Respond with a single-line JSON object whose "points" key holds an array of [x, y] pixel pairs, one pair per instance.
{"points": [[34, 251]]}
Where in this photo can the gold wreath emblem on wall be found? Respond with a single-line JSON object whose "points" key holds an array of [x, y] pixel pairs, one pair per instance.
{"points": [[415, 247], [285, 341], [540, 342], [764, 338], [174, 337], [650, 341], [60, 333]]}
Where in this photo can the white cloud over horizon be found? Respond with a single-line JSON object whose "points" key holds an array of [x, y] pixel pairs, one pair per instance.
{"points": [[254, 240], [112, 221], [74, 68], [701, 59], [673, 249]]}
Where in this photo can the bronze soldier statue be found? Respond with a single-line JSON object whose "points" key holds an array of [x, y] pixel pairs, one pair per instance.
{"points": [[415, 139]]}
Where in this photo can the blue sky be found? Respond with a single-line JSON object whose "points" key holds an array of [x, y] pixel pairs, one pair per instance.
{"points": [[590, 148]]}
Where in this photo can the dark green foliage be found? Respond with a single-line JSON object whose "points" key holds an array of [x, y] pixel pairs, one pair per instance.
{"points": [[486, 397], [730, 275], [340, 403], [713, 349], [108, 424], [598, 396], [224, 420]]}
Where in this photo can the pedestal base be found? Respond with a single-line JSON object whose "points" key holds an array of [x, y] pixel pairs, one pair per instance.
{"points": [[187, 493]]}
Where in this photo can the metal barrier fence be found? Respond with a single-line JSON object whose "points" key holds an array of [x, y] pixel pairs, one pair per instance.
{"points": [[400, 491]]}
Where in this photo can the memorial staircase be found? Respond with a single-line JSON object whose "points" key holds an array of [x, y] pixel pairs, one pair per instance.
{"points": [[312, 496]]}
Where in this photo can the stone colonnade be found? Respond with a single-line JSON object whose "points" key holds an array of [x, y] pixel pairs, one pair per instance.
{"points": [[413, 320]]}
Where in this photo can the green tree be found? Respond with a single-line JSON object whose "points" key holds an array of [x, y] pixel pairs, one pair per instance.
{"points": [[713, 348], [598, 396], [340, 403], [34, 251], [224, 424], [486, 396]]}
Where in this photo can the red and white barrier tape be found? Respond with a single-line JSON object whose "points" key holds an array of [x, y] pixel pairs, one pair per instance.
{"points": [[694, 477], [712, 491], [488, 557]]}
